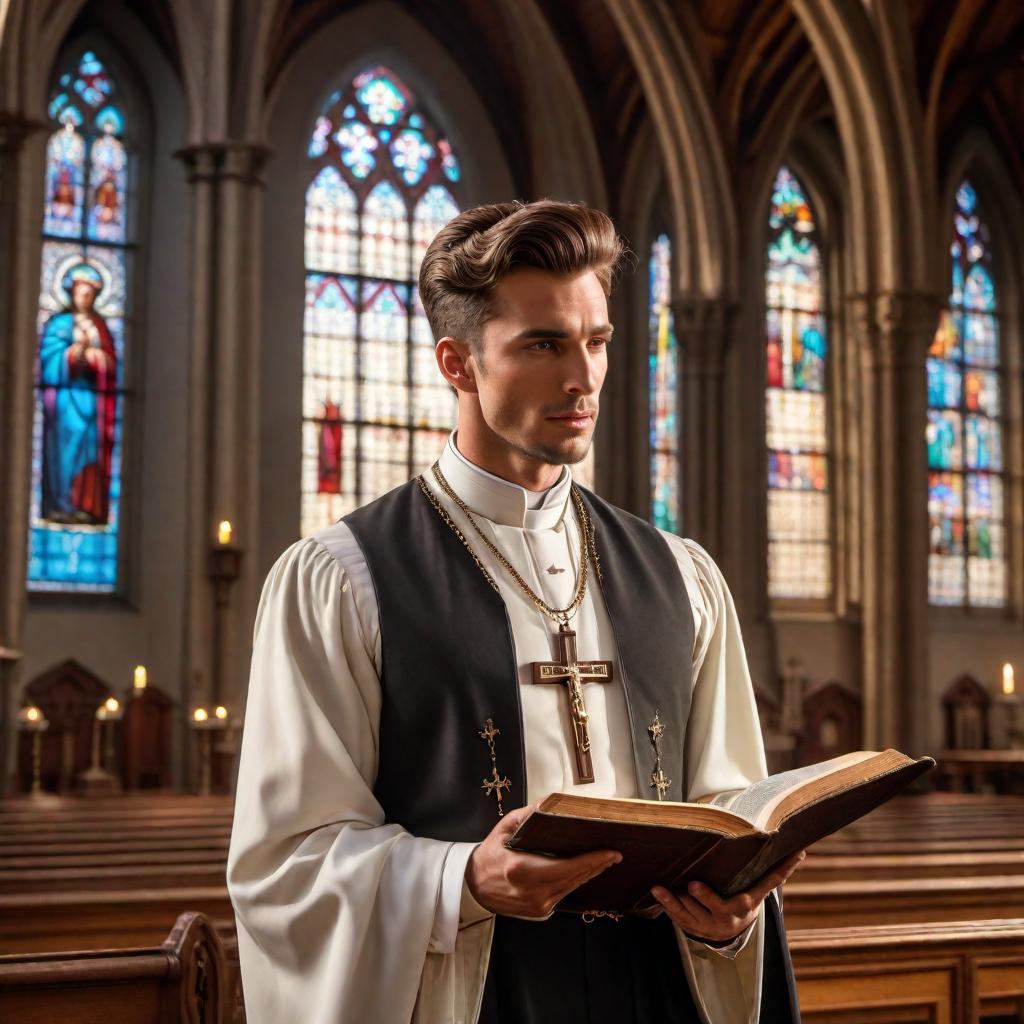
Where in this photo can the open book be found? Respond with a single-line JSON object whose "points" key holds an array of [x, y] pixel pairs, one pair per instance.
{"points": [[727, 843]]}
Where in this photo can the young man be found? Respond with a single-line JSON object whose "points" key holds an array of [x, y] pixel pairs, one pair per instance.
{"points": [[395, 736]]}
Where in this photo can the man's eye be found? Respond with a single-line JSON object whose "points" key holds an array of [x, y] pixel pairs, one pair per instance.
{"points": [[598, 341], [541, 345]]}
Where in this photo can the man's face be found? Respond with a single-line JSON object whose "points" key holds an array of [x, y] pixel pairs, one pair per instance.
{"points": [[541, 363]]}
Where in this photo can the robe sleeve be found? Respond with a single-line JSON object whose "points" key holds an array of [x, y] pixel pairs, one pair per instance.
{"points": [[724, 751], [335, 910]]}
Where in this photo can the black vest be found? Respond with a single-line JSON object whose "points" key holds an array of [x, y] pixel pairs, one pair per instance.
{"points": [[448, 661]]}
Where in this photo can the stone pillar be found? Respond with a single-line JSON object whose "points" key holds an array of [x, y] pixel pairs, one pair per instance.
{"points": [[702, 325], [20, 195], [223, 476], [892, 333]]}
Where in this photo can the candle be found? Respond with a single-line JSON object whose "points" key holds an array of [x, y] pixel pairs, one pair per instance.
{"points": [[1008, 679], [141, 677], [220, 711], [200, 715], [112, 704], [30, 714], [224, 532]]}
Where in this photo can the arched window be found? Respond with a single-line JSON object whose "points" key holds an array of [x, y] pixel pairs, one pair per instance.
{"points": [[663, 383], [967, 561], [799, 514], [86, 264], [375, 409]]}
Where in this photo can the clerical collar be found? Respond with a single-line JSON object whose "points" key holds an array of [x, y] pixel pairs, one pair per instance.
{"points": [[502, 501]]}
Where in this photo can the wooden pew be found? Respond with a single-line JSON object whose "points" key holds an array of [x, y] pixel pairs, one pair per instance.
{"points": [[46, 922], [187, 977], [959, 973]]}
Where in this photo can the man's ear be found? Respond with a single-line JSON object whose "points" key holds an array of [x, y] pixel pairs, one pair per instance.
{"points": [[456, 363]]}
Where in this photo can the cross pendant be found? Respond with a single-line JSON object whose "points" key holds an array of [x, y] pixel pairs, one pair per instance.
{"points": [[574, 674]]}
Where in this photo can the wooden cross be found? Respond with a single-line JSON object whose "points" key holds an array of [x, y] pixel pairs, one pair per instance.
{"points": [[574, 674]]}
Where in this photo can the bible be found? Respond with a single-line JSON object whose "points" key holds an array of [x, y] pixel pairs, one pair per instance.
{"points": [[728, 842]]}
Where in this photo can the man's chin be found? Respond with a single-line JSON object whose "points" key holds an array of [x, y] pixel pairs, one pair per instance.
{"points": [[566, 453]]}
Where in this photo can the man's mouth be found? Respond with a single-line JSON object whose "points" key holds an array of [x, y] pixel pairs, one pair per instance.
{"points": [[577, 420]]}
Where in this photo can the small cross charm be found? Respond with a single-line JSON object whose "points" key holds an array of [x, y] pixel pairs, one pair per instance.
{"points": [[496, 783], [659, 780]]}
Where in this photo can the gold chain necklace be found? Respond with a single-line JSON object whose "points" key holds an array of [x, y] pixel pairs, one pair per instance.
{"points": [[560, 615]]}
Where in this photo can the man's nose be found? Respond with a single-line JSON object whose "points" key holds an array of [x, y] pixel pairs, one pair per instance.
{"points": [[583, 375]]}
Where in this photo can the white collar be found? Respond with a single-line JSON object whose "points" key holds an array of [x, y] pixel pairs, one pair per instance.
{"points": [[499, 500]]}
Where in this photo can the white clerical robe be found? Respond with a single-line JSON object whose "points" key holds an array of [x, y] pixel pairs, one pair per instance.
{"points": [[343, 919]]}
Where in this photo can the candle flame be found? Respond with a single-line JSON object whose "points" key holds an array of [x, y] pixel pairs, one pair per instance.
{"points": [[1007, 679], [224, 532], [141, 677], [200, 715], [220, 711], [32, 714], [112, 704]]}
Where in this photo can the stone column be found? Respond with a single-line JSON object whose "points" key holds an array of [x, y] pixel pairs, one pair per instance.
{"points": [[892, 333], [21, 177], [223, 477], [702, 325]]}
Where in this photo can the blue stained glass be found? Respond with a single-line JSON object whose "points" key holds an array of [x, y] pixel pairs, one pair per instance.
{"points": [[943, 434], [65, 183], [357, 144], [436, 206], [57, 104], [349, 111], [979, 291], [108, 184], [943, 384], [449, 161], [384, 134], [663, 383], [321, 133], [410, 152], [380, 95], [415, 121]]}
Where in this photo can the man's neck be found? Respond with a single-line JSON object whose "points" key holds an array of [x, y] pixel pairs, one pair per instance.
{"points": [[507, 463]]}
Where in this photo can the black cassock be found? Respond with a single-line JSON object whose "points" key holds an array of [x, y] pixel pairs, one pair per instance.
{"points": [[608, 972]]}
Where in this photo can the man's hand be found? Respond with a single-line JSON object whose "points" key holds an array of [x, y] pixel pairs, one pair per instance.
{"points": [[504, 881], [703, 914]]}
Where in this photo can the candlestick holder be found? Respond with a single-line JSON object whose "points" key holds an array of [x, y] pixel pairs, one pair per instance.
{"points": [[31, 720], [97, 780], [205, 726]]}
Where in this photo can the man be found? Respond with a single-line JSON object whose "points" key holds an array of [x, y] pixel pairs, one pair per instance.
{"points": [[394, 733]]}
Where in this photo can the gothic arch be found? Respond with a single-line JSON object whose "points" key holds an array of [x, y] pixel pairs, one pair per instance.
{"points": [[696, 170]]}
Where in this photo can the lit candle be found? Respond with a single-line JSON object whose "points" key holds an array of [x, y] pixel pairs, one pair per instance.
{"points": [[224, 532], [220, 711], [200, 715], [30, 713], [112, 704], [141, 677], [1008, 679]]}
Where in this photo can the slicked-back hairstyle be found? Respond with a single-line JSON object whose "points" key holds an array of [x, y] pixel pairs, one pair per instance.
{"points": [[471, 254]]}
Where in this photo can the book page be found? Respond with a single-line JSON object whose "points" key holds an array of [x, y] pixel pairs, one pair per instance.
{"points": [[756, 802]]}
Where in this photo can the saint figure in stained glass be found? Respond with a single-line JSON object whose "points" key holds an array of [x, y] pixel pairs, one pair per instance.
{"points": [[77, 371]]}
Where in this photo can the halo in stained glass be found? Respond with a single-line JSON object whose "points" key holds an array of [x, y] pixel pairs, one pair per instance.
{"points": [[65, 183], [109, 120]]}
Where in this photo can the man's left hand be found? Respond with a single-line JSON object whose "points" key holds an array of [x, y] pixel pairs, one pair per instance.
{"points": [[704, 915]]}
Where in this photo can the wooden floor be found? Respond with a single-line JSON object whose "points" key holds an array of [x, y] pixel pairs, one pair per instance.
{"points": [[914, 913]]}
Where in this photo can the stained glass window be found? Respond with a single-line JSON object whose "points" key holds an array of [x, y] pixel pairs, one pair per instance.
{"points": [[663, 384], [967, 560], [76, 453], [799, 513], [375, 408]]}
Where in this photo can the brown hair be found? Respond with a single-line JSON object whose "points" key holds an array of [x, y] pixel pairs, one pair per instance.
{"points": [[470, 255]]}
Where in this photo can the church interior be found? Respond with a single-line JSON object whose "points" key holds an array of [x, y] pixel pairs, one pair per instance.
{"points": [[818, 375]]}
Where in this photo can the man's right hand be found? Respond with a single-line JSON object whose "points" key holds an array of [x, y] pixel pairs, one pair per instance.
{"points": [[505, 881]]}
